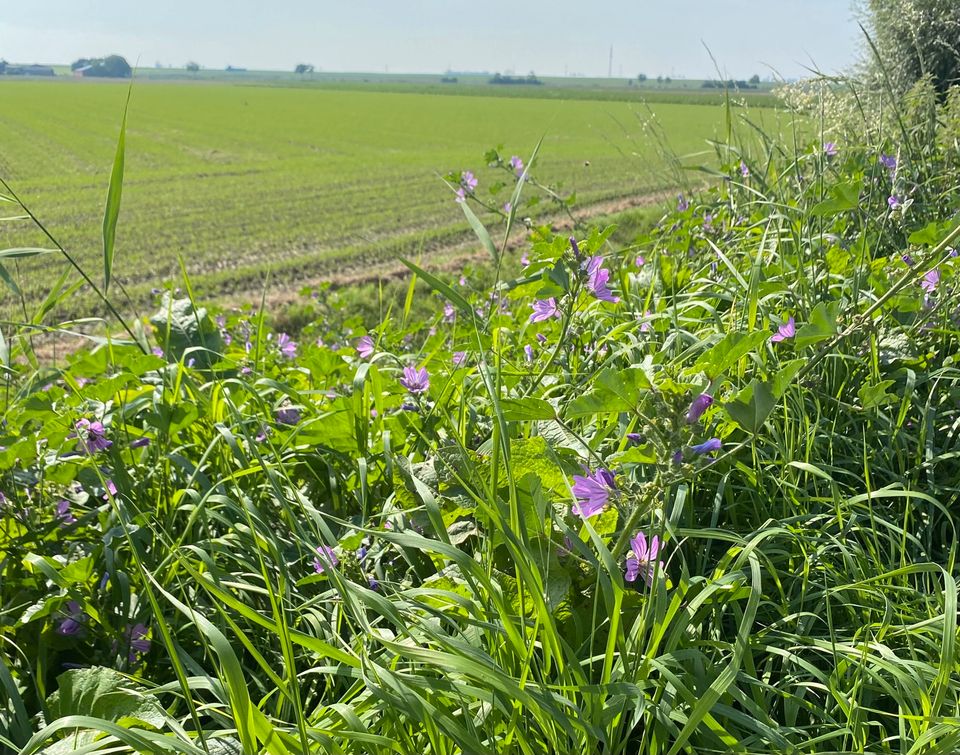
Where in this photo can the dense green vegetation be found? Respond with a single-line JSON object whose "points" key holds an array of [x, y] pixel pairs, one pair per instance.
{"points": [[425, 536], [238, 180]]}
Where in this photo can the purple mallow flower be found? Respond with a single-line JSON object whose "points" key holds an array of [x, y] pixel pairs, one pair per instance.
{"points": [[888, 161], [930, 280], [139, 443], [592, 492], [894, 201], [288, 415], [63, 512], [92, 436], [365, 347], [287, 346], [517, 164], [642, 559], [528, 351], [461, 195], [449, 312], [325, 559], [459, 357], [414, 380], [110, 490], [597, 278], [744, 170], [634, 439], [830, 149], [907, 260], [74, 620], [785, 331], [544, 309], [468, 181], [699, 405], [707, 447], [137, 642], [682, 204]]}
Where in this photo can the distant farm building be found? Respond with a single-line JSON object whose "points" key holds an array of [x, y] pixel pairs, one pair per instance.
{"points": [[33, 70], [82, 71]]}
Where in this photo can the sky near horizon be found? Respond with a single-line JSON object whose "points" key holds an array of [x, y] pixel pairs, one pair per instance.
{"points": [[656, 37]]}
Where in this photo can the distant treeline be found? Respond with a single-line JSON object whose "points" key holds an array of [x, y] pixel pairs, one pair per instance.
{"points": [[529, 79], [753, 83]]}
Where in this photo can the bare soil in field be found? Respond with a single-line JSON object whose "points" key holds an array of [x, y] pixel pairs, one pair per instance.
{"points": [[439, 257]]}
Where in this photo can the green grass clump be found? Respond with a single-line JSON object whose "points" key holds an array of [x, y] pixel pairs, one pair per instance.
{"points": [[423, 536]]}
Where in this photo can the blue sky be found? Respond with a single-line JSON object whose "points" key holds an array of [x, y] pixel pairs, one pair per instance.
{"points": [[657, 37]]}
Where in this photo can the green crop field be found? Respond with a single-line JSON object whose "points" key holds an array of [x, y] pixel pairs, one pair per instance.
{"points": [[302, 181]]}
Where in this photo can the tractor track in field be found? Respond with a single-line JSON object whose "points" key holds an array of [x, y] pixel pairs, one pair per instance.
{"points": [[449, 257]]}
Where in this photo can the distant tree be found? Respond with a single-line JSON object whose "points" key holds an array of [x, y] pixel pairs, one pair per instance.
{"points": [[112, 66], [659, 79], [641, 77], [755, 79], [303, 68], [3, 65], [192, 66], [116, 67], [667, 80]]}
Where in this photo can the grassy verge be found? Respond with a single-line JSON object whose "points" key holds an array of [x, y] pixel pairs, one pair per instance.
{"points": [[687, 492]]}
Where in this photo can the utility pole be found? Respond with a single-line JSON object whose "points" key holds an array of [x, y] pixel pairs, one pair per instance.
{"points": [[610, 66]]}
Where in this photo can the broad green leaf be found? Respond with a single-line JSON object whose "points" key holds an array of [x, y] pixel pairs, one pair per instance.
{"points": [[821, 326], [875, 394], [752, 406], [612, 391], [727, 352], [104, 693], [842, 197], [643, 454], [519, 409], [785, 376]]}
